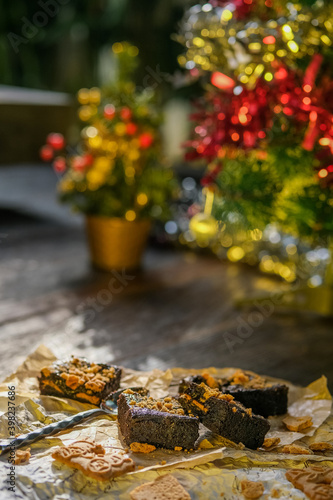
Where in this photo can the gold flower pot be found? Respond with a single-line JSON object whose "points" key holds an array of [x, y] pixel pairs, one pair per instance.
{"points": [[116, 243]]}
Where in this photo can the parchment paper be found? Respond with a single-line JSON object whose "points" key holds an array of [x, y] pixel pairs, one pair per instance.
{"points": [[44, 478]]}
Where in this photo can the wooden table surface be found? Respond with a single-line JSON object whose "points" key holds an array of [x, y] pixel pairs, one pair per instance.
{"points": [[175, 312]]}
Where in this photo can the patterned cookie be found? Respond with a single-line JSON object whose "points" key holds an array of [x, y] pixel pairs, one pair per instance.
{"points": [[91, 459], [166, 487], [315, 482]]}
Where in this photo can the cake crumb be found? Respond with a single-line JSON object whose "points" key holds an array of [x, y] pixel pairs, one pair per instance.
{"points": [[270, 442], [205, 445], [142, 447], [296, 424], [320, 446], [295, 449], [22, 457], [252, 489]]}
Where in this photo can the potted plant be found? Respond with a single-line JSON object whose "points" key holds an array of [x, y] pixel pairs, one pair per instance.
{"points": [[114, 176]]}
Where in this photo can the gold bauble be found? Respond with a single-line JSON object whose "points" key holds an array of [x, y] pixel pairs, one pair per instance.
{"points": [[204, 227]]}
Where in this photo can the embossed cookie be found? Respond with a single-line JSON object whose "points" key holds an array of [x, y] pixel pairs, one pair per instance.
{"points": [[91, 459], [164, 487], [252, 489], [315, 482]]}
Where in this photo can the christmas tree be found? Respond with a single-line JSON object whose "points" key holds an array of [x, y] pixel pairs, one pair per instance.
{"points": [[117, 168], [265, 123]]}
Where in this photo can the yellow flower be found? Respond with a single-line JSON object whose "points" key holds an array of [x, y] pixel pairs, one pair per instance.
{"points": [[103, 164], [95, 95], [133, 154], [95, 142], [83, 96], [96, 177], [120, 129], [85, 113], [142, 199], [130, 215]]}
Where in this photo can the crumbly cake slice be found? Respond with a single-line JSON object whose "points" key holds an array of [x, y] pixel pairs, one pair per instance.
{"points": [[222, 414], [161, 423], [78, 379]]}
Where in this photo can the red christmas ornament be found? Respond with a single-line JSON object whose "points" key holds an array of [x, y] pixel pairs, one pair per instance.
{"points": [[126, 114], [109, 111], [222, 81], [146, 140], [269, 40], [59, 164], [56, 141], [131, 128], [241, 8], [46, 153]]}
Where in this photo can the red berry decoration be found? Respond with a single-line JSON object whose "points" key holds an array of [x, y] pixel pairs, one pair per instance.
{"points": [[146, 140], [59, 164], [126, 114], [56, 141], [131, 128], [46, 153], [109, 111]]}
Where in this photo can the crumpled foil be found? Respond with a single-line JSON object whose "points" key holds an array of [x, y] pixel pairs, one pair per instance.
{"points": [[215, 468]]}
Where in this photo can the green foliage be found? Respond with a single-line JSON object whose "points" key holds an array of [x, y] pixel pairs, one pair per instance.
{"points": [[248, 187], [278, 186], [308, 210]]}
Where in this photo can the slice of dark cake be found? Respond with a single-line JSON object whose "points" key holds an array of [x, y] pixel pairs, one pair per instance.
{"points": [[253, 391], [161, 422], [223, 415], [78, 379]]}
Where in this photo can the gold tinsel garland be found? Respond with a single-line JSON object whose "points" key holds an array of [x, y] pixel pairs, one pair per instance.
{"points": [[217, 39]]}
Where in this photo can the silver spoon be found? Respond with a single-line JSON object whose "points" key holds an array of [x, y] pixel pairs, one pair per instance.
{"points": [[108, 406]]}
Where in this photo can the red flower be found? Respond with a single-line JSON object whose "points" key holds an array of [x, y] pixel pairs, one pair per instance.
{"points": [[131, 128], [56, 141], [59, 164], [79, 163], [46, 153], [146, 140], [109, 111], [126, 114]]}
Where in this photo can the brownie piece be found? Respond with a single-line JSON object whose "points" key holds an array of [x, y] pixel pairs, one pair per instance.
{"points": [[161, 422], [78, 379], [253, 391], [223, 415]]}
